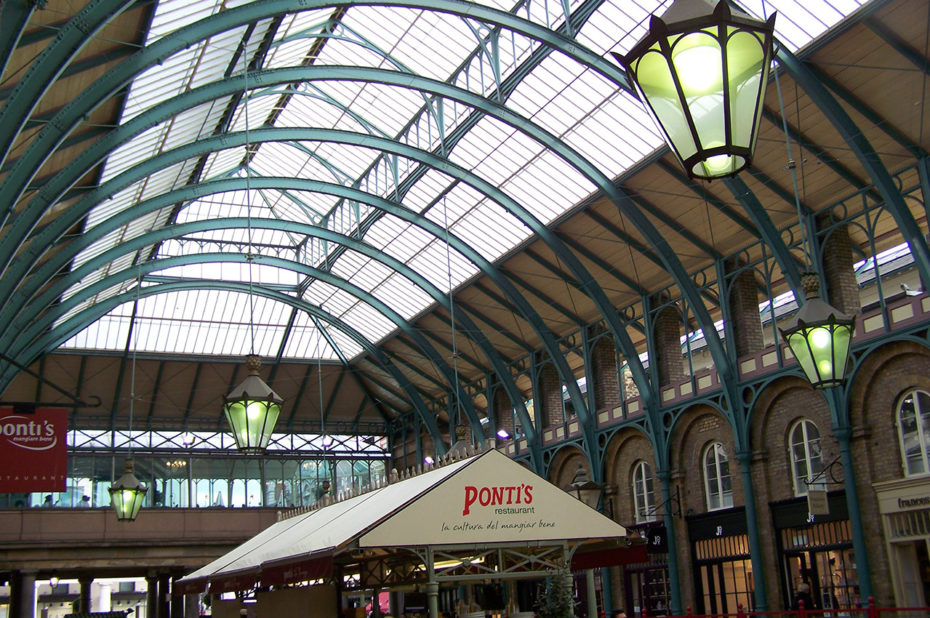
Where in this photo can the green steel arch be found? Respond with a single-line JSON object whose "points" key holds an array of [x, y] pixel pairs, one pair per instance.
{"points": [[44, 323], [45, 337], [71, 114], [48, 296]]}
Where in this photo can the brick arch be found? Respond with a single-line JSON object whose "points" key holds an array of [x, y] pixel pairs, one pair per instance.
{"points": [[778, 407], [626, 448], [696, 429], [564, 464], [883, 377]]}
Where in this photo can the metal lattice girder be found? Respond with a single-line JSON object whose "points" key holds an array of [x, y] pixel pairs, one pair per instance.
{"points": [[866, 156], [504, 561]]}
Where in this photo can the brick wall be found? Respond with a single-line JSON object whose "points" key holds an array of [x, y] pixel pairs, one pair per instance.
{"points": [[843, 291], [503, 415], [605, 384], [744, 310], [550, 394]]}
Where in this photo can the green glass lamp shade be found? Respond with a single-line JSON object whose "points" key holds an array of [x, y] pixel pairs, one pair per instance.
{"points": [[252, 410], [820, 337], [127, 494], [702, 72]]}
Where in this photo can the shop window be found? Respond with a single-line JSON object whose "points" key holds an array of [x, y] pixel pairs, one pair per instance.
{"points": [[805, 455], [717, 483], [913, 430], [643, 494]]}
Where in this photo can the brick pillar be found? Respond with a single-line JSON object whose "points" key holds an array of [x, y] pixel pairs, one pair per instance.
{"points": [[549, 408], [603, 384], [503, 414], [838, 272], [667, 355], [744, 312]]}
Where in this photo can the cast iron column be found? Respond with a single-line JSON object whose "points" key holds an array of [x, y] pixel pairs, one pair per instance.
{"points": [[843, 432]]}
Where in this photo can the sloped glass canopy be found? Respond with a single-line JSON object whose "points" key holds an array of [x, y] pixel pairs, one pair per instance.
{"points": [[334, 125]]}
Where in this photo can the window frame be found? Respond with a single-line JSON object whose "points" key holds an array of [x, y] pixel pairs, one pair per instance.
{"points": [[921, 416], [801, 487], [643, 488], [722, 498]]}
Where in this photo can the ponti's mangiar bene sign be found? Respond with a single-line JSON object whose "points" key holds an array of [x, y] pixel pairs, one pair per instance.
{"points": [[491, 499], [33, 450]]}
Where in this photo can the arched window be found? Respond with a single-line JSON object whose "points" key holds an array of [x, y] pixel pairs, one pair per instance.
{"points": [[914, 431], [806, 461], [644, 497], [717, 486]]}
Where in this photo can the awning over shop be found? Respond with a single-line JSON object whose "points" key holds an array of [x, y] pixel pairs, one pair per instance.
{"points": [[479, 502]]}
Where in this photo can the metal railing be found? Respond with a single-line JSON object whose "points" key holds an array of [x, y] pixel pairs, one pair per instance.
{"points": [[870, 610]]}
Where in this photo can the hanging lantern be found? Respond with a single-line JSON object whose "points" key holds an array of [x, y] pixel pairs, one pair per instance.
{"points": [[702, 72], [583, 488], [820, 337], [252, 410], [127, 494]]}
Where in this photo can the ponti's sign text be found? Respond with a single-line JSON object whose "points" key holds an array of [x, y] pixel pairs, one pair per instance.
{"points": [[33, 450], [498, 496]]}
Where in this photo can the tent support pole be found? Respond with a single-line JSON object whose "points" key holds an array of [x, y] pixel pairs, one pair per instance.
{"points": [[432, 587]]}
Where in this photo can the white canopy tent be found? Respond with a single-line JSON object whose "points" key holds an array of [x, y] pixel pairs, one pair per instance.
{"points": [[484, 517]]}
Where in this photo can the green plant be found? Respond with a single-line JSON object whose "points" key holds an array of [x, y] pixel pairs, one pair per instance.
{"points": [[557, 600]]}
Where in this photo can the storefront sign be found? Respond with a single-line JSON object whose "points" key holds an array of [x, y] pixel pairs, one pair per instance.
{"points": [[33, 450], [914, 503], [817, 503], [492, 499]]}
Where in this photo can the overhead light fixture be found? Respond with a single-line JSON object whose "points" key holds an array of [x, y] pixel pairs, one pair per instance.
{"points": [[252, 410], [128, 493], [583, 488], [701, 71], [428, 460], [503, 434], [820, 337]]}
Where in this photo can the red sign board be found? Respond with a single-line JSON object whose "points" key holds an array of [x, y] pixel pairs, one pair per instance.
{"points": [[33, 450]]}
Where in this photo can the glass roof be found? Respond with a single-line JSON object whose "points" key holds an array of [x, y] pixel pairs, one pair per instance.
{"points": [[337, 280]]}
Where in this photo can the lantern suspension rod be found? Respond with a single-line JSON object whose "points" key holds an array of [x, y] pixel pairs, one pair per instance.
{"points": [[792, 167], [319, 379], [455, 353], [249, 257], [135, 345]]}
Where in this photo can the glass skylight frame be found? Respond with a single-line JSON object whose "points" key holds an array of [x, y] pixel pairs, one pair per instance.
{"points": [[575, 103]]}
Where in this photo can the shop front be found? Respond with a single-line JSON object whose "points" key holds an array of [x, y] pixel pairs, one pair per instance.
{"points": [[723, 577], [817, 549], [905, 511]]}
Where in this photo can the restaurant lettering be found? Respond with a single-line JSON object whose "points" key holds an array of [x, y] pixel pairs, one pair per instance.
{"points": [[497, 496], [905, 503], [25, 433]]}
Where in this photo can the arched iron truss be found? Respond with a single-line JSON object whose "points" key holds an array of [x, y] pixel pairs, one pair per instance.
{"points": [[36, 251]]}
